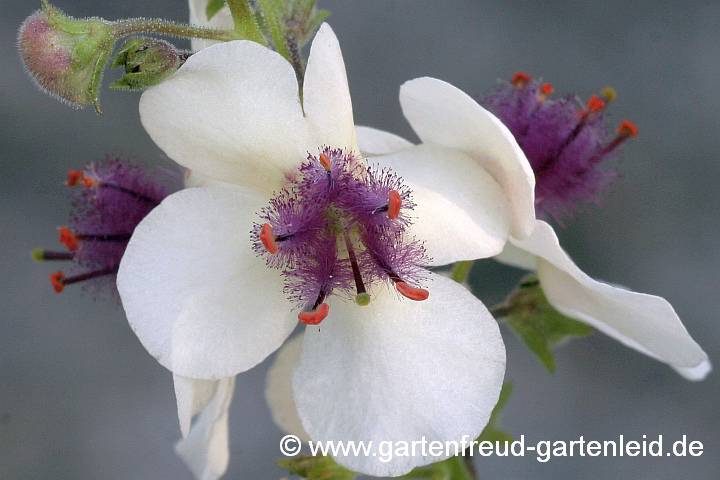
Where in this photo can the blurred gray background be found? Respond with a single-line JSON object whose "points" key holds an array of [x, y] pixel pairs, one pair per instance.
{"points": [[79, 396]]}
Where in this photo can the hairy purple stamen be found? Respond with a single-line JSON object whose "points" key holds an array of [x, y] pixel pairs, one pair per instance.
{"points": [[566, 146], [114, 196], [332, 231]]}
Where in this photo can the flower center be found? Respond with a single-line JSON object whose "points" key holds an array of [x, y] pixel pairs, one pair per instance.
{"points": [[340, 227]]}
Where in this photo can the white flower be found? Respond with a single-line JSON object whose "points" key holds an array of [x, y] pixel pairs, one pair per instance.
{"points": [[207, 307], [451, 123]]}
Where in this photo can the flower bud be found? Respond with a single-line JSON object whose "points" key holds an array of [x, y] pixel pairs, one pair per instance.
{"points": [[66, 56], [147, 62]]}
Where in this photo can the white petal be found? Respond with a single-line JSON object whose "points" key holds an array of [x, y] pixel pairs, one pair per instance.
{"points": [[326, 96], [195, 293], [398, 370], [444, 115], [278, 389], [192, 395], [461, 212], [222, 20], [644, 322], [517, 257], [696, 373], [372, 141], [193, 179], [232, 112], [205, 450]]}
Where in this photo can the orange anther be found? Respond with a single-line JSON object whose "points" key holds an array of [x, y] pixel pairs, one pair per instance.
{"points": [[394, 204], [325, 162], [316, 316], [417, 294], [627, 129], [520, 79], [68, 239], [595, 104], [89, 182], [56, 280], [546, 89], [75, 177], [267, 238]]}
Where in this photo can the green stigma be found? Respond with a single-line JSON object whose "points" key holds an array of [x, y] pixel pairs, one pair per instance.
{"points": [[38, 255], [362, 299]]}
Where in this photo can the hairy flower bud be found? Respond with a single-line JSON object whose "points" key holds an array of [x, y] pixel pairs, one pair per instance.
{"points": [[66, 56], [147, 62]]}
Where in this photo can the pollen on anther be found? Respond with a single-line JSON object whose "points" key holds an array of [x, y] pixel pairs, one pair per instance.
{"points": [[627, 129], [417, 294], [267, 239], [316, 316], [520, 79], [56, 280], [68, 239], [75, 177], [394, 204], [546, 89], [595, 104], [325, 162], [609, 93]]}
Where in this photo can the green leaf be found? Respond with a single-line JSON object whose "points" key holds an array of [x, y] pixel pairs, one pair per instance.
{"points": [[213, 7], [537, 323], [315, 467]]}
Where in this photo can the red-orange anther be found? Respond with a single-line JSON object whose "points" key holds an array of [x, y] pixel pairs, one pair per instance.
{"points": [[595, 104], [520, 79], [268, 239], [627, 129], [394, 204], [325, 162], [546, 89], [89, 182], [75, 177], [68, 239], [316, 316], [56, 280], [417, 294]]}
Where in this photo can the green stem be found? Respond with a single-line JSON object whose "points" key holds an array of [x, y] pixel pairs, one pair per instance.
{"points": [[461, 270], [141, 25]]}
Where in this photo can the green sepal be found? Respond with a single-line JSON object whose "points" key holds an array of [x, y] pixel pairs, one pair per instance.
{"points": [[246, 25], [272, 13], [315, 467], [537, 323], [213, 7]]}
